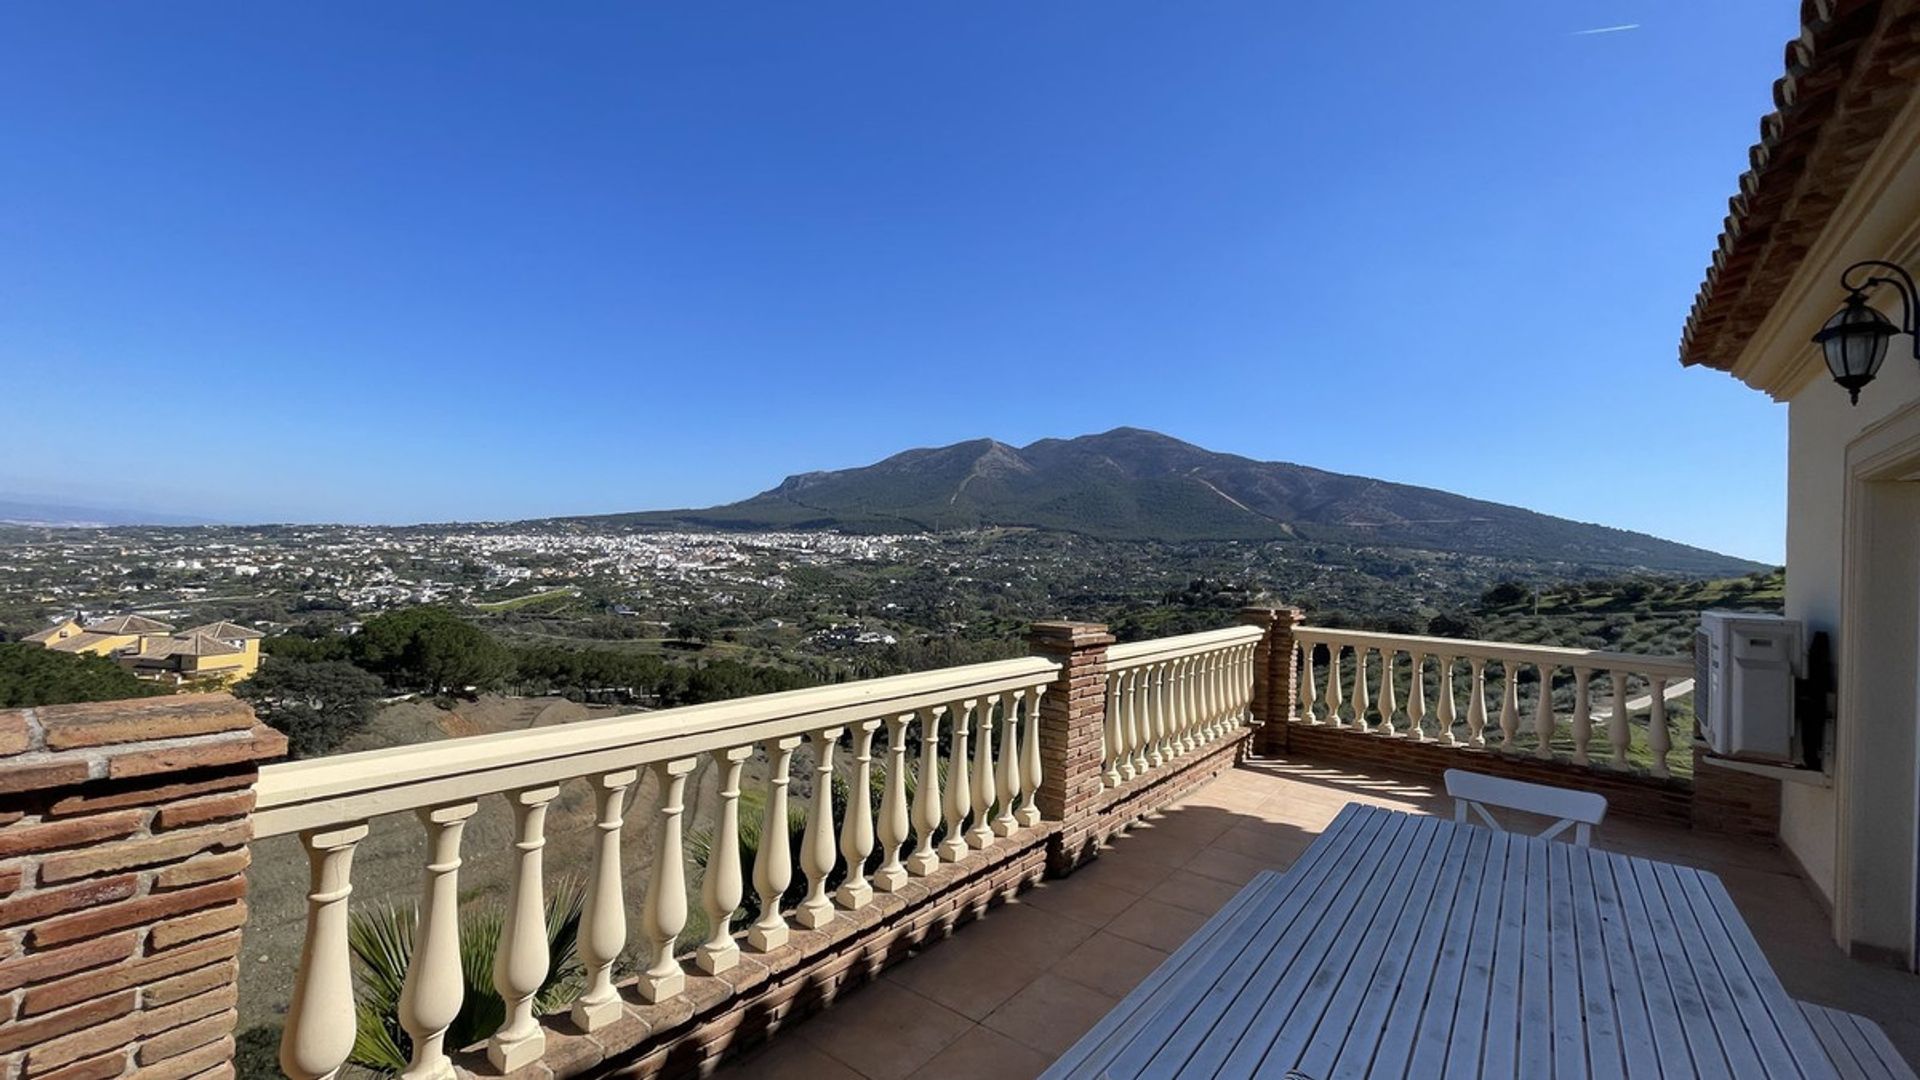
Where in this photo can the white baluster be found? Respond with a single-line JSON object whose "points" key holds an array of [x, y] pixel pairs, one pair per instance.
{"points": [[520, 963], [1543, 719], [1477, 707], [1444, 715], [1360, 702], [603, 913], [1029, 813], [1582, 714], [1004, 823], [1309, 693], [1183, 706], [1417, 698], [1659, 740], [664, 914], [1114, 747], [926, 795], [430, 999], [1620, 727], [816, 847], [856, 833], [959, 787], [1389, 694], [891, 874], [773, 864], [320, 1020], [1139, 729], [1509, 703], [1334, 698], [981, 835], [720, 884]]}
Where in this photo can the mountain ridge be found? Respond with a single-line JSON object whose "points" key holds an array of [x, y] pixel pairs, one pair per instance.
{"points": [[1134, 484]]}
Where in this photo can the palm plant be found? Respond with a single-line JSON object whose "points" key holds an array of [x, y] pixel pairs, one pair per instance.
{"points": [[381, 942]]}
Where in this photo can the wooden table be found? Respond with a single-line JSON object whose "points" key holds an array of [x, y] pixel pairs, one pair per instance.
{"points": [[1409, 946]]}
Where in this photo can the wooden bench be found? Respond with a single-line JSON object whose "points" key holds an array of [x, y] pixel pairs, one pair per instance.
{"points": [[1580, 810], [1856, 1044]]}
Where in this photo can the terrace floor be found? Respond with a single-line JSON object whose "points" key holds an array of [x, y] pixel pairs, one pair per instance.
{"points": [[1008, 993]]}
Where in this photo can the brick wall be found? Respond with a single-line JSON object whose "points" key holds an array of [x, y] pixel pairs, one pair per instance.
{"points": [[1276, 666], [1735, 803], [123, 847]]}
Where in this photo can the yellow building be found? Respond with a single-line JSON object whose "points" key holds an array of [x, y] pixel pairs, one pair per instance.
{"points": [[101, 637], [222, 651]]}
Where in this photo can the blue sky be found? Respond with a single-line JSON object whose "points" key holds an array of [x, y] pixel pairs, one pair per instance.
{"points": [[378, 262]]}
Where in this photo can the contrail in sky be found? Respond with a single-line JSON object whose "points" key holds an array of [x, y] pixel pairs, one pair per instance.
{"points": [[1606, 29]]}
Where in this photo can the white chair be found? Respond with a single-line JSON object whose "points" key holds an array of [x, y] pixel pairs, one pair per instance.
{"points": [[1581, 810]]}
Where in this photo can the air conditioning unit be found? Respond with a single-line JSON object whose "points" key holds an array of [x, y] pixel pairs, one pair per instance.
{"points": [[1743, 693]]}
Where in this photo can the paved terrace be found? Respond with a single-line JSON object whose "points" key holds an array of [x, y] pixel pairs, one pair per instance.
{"points": [[1008, 993]]}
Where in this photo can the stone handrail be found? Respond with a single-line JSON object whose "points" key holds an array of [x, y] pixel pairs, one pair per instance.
{"points": [[1546, 661], [1171, 696], [330, 803]]}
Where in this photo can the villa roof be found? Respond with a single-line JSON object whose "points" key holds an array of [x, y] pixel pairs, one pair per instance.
{"points": [[226, 631], [192, 643], [1848, 75], [80, 642], [128, 624], [41, 637]]}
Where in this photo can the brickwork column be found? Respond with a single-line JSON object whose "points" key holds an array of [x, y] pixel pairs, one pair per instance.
{"points": [[1276, 667], [123, 850], [1071, 716]]}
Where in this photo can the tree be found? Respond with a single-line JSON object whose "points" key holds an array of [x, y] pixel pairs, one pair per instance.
{"points": [[1454, 626], [1506, 594], [315, 704], [31, 675], [431, 649]]}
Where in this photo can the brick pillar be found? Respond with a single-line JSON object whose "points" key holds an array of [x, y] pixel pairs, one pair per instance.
{"points": [[1276, 667], [123, 852], [1071, 715]]}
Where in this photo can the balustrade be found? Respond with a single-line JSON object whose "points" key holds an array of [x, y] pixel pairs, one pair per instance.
{"points": [[1170, 698], [1510, 660], [332, 803]]}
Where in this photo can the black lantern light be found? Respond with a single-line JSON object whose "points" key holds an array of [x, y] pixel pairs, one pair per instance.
{"points": [[1855, 339]]}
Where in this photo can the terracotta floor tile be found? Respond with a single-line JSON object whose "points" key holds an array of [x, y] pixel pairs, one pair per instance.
{"points": [[1152, 923], [985, 1054], [1228, 866], [965, 975], [1110, 964], [1024, 930], [1080, 898], [884, 1031], [1195, 892], [1051, 1014]]}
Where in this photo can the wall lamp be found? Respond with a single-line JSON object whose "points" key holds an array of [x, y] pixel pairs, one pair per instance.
{"points": [[1855, 339]]}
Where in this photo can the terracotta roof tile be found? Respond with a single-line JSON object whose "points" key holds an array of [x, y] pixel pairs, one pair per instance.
{"points": [[1847, 76]]}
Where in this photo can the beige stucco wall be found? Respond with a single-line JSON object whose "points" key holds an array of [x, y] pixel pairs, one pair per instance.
{"points": [[1820, 427]]}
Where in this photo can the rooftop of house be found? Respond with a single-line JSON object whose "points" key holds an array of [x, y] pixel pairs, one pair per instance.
{"points": [[128, 624], [1848, 75]]}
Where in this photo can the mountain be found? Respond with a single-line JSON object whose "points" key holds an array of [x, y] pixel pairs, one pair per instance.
{"points": [[1131, 484]]}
